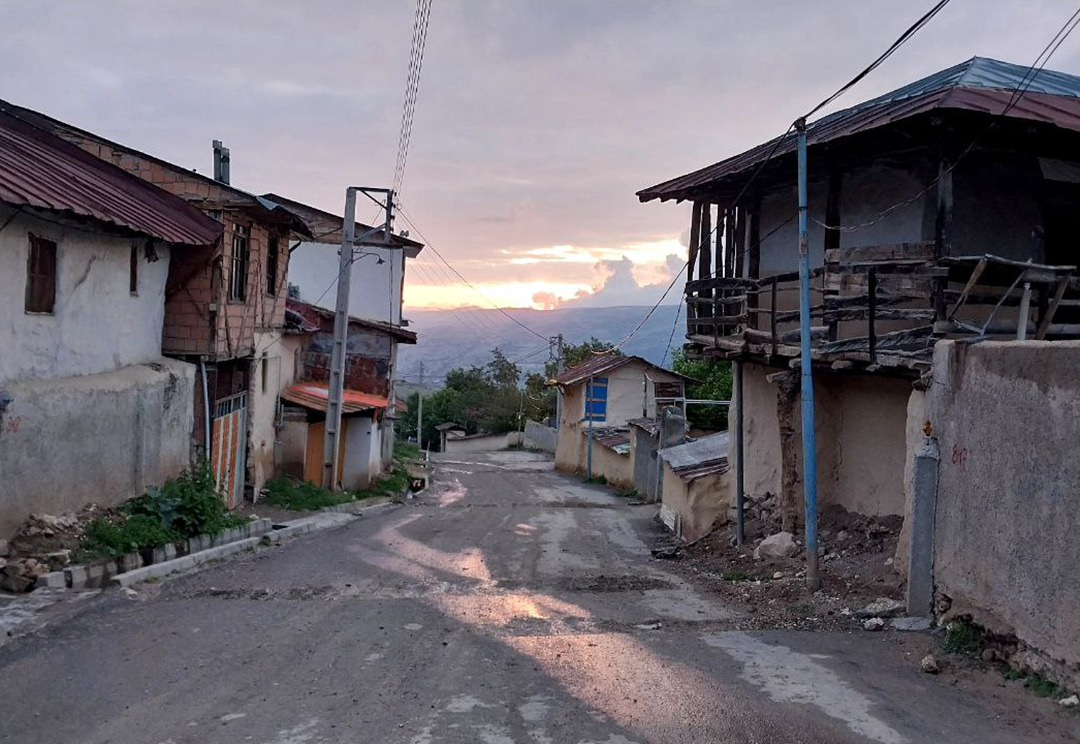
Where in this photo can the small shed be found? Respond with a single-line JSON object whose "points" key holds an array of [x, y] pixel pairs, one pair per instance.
{"points": [[697, 489], [448, 430]]}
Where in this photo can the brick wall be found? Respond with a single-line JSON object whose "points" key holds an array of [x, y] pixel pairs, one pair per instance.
{"points": [[361, 373]]}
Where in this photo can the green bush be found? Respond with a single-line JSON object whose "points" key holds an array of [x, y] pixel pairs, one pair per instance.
{"points": [[302, 496], [188, 504], [963, 637], [113, 538]]}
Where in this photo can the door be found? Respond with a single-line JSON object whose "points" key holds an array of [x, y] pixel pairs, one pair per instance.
{"points": [[316, 444], [228, 445]]}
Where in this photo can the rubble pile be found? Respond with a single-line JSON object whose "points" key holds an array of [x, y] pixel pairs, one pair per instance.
{"points": [[43, 543]]}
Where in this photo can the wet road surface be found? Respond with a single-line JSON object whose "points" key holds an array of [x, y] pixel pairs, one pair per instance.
{"points": [[509, 604]]}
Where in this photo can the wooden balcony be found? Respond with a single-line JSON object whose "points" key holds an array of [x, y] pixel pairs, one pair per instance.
{"points": [[883, 306]]}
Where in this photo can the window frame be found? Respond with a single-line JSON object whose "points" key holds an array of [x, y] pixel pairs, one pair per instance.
{"points": [[592, 386], [133, 271], [239, 262], [37, 273], [273, 249]]}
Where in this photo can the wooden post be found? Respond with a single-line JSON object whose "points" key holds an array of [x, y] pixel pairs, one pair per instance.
{"points": [[832, 237], [871, 334], [1048, 316], [705, 260], [692, 249], [943, 225], [729, 241], [740, 242], [772, 317], [753, 257]]}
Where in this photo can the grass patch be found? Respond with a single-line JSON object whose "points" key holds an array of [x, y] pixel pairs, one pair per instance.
{"points": [[597, 480], [406, 451], [1043, 687], [1011, 674], [627, 493], [963, 637], [303, 496]]}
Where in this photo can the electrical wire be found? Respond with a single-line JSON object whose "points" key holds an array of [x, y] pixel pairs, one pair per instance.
{"points": [[421, 20]]}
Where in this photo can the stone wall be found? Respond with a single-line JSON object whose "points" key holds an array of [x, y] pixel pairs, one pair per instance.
{"points": [[1007, 419]]}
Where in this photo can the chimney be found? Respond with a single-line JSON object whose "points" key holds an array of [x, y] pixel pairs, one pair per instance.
{"points": [[221, 162]]}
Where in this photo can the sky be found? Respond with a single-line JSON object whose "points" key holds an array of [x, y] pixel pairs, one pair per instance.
{"points": [[535, 125]]}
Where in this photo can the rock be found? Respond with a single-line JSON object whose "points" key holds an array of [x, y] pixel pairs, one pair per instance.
{"points": [[5, 549], [929, 664], [888, 561], [882, 607], [669, 553], [873, 624], [14, 578], [780, 545], [778, 575], [841, 536], [1070, 702], [910, 623], [130, 592]]}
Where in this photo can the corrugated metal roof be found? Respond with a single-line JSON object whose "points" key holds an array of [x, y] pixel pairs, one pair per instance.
{"points": [[698, 457], [617, 439], [313, 215], [979, 84], [600, 364], [43, 171], [313, 396], [309, 315]]}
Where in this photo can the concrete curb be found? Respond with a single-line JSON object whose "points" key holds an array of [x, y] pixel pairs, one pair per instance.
{"points": [[333, 517]]}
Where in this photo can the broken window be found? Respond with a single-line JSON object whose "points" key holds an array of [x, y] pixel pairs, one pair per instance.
{"points": [[272, 266], [41, 276], [596, 399], [133, 271], [239, 267]]}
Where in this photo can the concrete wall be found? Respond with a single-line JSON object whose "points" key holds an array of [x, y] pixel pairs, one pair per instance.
{"points": [[487, 443], [861, 430], [102, 438], [538, 436], [700, 503], [97, 325], [266, 382], [644, 446], [362, 452], [1007, 419], [374, 291]]}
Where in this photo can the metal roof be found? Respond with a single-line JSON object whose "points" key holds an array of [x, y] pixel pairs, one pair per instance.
{"points": [[699, 457], [616, 439], [981, 85], [307, 314], [313, 215], [600, 364], [313, 395], [43, 171]]}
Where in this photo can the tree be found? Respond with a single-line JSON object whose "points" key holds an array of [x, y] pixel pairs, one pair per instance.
{"points": [[715, 384]]}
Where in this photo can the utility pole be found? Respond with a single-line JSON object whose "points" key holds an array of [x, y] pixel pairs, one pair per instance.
{"points": [[806, 391], [558, 341], [339, 351], [420, 411]]}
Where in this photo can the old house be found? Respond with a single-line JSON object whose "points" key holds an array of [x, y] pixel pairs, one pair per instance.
{"points": [[376, 286], [941, 219], [696, 485], [90, 410], [370, 350], [224, 304], [597, 400]]}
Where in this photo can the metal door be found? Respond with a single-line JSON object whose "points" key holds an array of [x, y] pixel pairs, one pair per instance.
{"points": [[229, 443]]}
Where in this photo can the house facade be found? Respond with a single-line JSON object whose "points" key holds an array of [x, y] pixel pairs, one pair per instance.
{"points": [[597, 400], [938, 223], [224, 305], [90, 410], [370, 351], [376, 287]]}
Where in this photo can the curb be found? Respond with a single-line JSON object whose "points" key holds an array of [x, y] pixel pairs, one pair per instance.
{"points": [[289, 529]]}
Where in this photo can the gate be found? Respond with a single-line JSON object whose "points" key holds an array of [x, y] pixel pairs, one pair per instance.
{"points": [[229, 442]]}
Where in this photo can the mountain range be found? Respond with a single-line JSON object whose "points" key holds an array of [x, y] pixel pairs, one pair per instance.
{"points": [[464, 337]]}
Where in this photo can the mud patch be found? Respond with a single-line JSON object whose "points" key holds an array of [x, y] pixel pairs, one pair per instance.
{"points": [[604, 583]]}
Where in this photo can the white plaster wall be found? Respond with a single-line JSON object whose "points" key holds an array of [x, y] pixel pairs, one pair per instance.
{"points": [[630, 395], [700, 503], [374, 291], [97, 325], [103, 438], [361, 452], [262, 406]]}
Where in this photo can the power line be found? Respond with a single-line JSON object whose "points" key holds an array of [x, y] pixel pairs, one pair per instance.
{"points": [[412, 86], [467, 283]]}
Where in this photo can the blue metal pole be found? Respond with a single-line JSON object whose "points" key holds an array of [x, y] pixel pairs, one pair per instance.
{"points": [[813, 578]]}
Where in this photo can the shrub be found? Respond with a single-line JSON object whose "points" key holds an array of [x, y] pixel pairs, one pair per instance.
{"points": [[302, 496], [188, 504], [114, 538], [963, 637]]}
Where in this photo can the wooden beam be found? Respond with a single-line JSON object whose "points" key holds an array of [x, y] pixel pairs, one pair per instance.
{"points": [[1048, 317], [919, 251], [705, 253], [695, 238], [871, 331], [971, 282]]}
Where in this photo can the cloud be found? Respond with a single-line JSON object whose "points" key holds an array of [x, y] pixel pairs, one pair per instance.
{"points": [[619, 285], [545, 300]]}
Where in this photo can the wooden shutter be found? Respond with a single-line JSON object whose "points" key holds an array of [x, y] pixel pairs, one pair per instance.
{"points": [[41, 276]]}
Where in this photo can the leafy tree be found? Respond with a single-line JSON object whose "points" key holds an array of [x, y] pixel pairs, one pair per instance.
{"points": [[715, 377]]}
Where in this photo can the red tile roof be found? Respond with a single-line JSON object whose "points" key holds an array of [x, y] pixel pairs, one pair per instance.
{"points": [[41, 171]]}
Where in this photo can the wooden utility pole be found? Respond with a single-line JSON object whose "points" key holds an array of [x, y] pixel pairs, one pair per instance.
{"points": [[420, 411]]}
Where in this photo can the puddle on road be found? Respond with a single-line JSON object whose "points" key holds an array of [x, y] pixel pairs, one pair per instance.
{"points": [[788, 676]]}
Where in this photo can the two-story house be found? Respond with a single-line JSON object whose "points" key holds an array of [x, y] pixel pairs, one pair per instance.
{"points": [[224, 304], [90, 410]]}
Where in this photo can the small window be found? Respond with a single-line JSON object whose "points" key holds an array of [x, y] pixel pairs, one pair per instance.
{"points": [[133, 271], [41, 276], [239, 267], [265, 372], [596, 399], [272, 266]]}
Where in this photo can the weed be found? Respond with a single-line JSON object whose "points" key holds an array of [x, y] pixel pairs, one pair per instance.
{"points": [[302, 495], [963, 637], [106, 538], [1012, 674], [1043, 687], [266, 541], [627, 493], [188, 505], [736, 576], [406, 451], [597, 480]]}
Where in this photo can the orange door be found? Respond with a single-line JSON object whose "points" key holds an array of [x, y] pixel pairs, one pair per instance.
{"points": [[316, 443]]}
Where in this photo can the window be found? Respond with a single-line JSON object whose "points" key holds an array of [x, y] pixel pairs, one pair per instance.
{"points": [[133, 271], [596, 399], [239, 267], [271, 266], [41, 276]]}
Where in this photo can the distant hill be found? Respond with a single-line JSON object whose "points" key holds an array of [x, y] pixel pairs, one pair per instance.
{"points": [[449, 339]]}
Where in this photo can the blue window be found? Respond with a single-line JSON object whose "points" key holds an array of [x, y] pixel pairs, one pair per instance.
{"points": [[596, 399]]}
